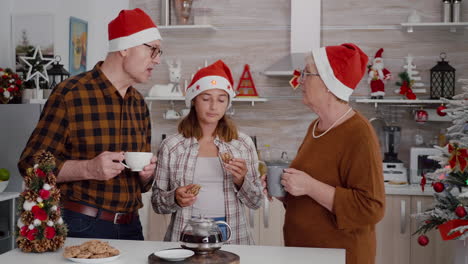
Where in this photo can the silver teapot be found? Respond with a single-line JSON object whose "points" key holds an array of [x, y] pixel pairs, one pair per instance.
{"points": [[203, 235]]}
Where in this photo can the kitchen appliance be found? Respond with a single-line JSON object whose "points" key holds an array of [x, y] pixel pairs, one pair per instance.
{"points": [[305, 36], [203, 235], [420, 163], [393, 169]]}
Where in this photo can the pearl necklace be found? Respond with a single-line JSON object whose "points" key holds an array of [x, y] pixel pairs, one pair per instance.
{"points": [[326, 131]]}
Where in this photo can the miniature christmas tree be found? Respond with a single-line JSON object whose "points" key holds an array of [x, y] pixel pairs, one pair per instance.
{"points": [[40, 225], [246, 85], [449, 214]]}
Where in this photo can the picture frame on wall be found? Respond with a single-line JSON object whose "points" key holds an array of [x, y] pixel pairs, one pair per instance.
{"points": [[30, 31], [78, 46]]}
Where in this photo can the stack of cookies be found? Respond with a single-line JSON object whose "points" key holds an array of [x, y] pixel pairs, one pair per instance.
{"points": [[92, 249]]}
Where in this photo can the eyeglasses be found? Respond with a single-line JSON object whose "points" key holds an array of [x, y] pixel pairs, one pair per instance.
{"points": [[304, 73], [155, 51]]}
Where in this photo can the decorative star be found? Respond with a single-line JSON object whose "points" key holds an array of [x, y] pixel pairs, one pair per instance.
{"points": [[45, 62]]}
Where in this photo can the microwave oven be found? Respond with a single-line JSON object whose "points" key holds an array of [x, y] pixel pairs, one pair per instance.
{"points": [[420, 163]]}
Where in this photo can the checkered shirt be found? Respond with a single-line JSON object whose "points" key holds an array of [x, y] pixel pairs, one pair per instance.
{"points": [[84, 116], [177, 158]]}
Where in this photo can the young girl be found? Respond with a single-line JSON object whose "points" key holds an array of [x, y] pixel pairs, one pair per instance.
{"points": [[195, 156]]}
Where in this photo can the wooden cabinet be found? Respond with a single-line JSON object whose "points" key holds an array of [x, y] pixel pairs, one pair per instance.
{"points": [[395, 242], [267, 223]]}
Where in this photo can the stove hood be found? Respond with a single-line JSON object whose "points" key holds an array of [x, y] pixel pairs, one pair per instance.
{"points": [[305, 36]]}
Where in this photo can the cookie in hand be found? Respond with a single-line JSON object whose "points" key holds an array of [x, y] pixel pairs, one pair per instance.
{"points": [[194, 190]]}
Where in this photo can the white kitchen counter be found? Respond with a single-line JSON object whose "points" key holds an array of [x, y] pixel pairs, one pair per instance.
{"points": [[412, 189], [138, 252]]}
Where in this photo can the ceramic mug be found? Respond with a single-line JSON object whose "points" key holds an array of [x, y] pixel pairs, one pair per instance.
{"points": [[184, 111], [171, 114], [275, 171], [136, 161]]}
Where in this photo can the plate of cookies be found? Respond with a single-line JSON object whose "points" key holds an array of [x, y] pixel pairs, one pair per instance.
{"points": [[93, 251]]}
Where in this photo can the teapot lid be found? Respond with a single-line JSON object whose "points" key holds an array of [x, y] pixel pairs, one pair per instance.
{"points": [[201, 220]]}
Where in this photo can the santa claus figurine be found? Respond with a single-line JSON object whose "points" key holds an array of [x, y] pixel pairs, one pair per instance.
{"points": [[378, 75]]}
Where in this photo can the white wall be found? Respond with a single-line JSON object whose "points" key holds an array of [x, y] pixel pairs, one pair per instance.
{"points": [[96, 13]]}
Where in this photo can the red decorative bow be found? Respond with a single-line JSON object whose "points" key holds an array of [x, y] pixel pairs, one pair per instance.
{"points": [[406, 90], [458, 155], [294, 82]]}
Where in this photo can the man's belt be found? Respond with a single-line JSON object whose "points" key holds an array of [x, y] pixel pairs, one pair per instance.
{"points": [[116, 218]]}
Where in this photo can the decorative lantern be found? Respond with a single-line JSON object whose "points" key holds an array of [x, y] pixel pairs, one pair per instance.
{"points": [[57, 73], [442, 79]]}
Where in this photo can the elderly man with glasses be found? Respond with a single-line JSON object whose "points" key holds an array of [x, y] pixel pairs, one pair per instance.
{"points": [[88, 123]]}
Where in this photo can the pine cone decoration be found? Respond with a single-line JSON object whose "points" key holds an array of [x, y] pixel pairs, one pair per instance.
{"points": [[45, 160], [24, 244], [29, 195], [55, 195], [28, 177], [56, 243], [54, 216], [40, 245], [51, 179], [27, 217]]}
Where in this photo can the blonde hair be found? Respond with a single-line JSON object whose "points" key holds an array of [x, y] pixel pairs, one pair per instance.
{"points": [[189, 127]]}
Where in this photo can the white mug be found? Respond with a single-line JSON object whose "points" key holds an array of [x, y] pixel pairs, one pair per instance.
{"points": [[136, 161], [171, 114], [184, 111]]}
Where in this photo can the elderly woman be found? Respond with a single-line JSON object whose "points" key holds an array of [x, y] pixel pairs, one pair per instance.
{"points": [[208, 151], [335, 190]]}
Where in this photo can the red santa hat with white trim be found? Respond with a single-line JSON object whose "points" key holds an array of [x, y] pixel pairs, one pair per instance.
{"points": [[131, 28], [214, 76], [378, 54], [341, 68]]}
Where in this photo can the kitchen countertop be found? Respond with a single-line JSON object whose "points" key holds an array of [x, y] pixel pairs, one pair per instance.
{"points": [[412, 189], [408, 189], [8, 195], [138, 251]]}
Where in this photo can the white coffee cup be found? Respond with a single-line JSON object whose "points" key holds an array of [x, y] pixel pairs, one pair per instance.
{"points": [[136, 161], [171, 114], [184, 111]]}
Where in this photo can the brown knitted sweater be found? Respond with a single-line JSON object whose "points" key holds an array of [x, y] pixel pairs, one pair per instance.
{"points": [[348, 158]]}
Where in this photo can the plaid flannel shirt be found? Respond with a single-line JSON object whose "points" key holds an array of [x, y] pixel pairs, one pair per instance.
{"points": [[177, 158], [83, 117]]}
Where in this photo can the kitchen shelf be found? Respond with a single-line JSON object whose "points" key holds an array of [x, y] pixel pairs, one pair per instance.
{"points": [[37, 101], [453, 26], [252, 100], [204, 28], [398, 101]]}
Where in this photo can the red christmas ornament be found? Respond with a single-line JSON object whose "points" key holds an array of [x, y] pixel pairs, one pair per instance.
{"points": [[49, 232], [44, 194], [24, 231], [438, 187], [423, 240], [421, 116], [40, 173], [39, 213], [439, 110], [460, 211], [32, 234]]}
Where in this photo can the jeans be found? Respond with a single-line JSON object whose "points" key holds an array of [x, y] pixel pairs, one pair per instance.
{"points": [[80, 225], [222, 227]]}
